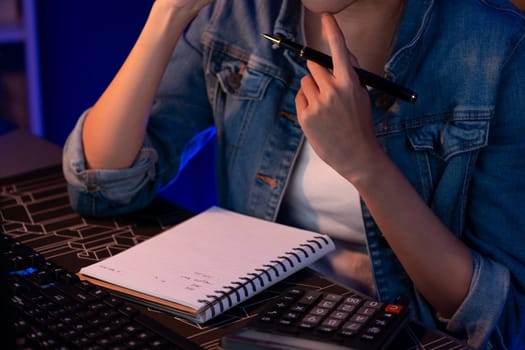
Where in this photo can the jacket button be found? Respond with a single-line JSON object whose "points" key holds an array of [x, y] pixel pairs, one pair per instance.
{"points": [[384, 101], [234, 80]]}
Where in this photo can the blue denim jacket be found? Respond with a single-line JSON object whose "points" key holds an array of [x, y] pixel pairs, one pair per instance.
{"points": [[461, 145]]}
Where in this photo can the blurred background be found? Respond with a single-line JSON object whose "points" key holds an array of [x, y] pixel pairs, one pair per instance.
{"points": [[64, 53], [57, 56]]}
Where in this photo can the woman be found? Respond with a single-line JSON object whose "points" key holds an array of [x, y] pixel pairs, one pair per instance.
{"points": [[413, 192]]}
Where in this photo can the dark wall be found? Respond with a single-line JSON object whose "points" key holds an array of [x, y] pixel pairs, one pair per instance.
{"points": [[82, 45]]}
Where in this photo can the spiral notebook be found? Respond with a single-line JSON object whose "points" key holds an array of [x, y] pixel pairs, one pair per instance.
{"points": [[208, 264]]}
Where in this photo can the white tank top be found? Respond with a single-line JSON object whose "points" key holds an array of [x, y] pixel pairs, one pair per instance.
{"points": [[320, 199]]}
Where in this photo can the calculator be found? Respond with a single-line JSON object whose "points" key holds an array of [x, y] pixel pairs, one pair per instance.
{"points": [[302, 318]]}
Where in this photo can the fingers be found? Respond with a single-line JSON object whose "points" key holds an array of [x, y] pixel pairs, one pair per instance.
{"points": [[187, 7], [323, 77], [301, 103], [343, 59], [323, 87], [309, 89]]}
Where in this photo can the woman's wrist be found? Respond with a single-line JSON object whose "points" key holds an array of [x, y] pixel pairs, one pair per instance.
{"points": [[171, 17], [166, 20], [374, 170]]}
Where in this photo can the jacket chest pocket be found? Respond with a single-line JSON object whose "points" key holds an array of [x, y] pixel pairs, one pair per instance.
{"points": [[235, 77], [447, 138], [236, 88], [239, 80], [444, 152], [238, 77], [239, 86]]}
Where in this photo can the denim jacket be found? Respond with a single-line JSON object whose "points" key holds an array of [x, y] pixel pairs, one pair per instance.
{"points": [[461, 145]]}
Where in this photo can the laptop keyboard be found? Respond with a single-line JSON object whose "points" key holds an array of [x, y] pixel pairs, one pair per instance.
{"points": [[54, 310]]}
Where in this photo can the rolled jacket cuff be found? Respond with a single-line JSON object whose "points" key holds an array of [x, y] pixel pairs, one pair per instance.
{"points": [[479, 313], [124, 183]]}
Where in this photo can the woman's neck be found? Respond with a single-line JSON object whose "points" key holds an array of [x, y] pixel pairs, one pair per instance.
{"points": [[369, 27]]}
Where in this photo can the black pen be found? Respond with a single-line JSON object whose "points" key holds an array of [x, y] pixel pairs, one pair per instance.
{"points": [[366, 77]]}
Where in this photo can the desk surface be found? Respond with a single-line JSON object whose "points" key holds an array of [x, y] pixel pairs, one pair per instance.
{"points": [[20, 152], [73, 241]]}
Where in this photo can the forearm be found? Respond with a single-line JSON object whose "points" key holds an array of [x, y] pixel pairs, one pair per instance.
{"points": [[439, 264], [114, 129]]}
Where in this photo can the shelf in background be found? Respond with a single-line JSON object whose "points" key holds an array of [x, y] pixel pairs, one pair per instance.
{"points": [[10, 34], [18, 24]]}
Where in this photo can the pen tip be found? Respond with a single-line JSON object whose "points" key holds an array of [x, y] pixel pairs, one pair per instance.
{"points": [[271, 37]]}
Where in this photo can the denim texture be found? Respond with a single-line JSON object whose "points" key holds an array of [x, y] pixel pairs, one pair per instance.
{"points": [[461, 145]]}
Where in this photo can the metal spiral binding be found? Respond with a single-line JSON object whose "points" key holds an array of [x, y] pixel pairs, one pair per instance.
{"points": [[285, 261]]}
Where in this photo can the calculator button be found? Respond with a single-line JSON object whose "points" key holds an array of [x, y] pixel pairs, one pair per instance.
{"points": [[346, 308], [281, 305], [319, 311], [359, 318], [368, 311], [298, 308], [288, 299], [326, 304], [311, 319], [340, 315], [295, 292], [374, 330], [331, 322], [350, 329], [381, 322], [292, 316], [329, 326], [271, 313], [353, 300], [326, 330], [309, 298], [333, 297], [373, 304], [369, 337], [285, 323], [286, 326], [387, 316], [306, 326], [266, 319], [393, 309]]}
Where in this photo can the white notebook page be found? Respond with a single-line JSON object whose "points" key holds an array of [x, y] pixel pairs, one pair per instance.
{"points": [[201, 255]]}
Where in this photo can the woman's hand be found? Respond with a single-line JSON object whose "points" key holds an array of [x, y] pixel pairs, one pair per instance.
{"points": [[334, 110], [187, 8]]}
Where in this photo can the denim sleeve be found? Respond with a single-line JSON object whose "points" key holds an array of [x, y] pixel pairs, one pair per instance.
{"points": [[180, 111], [484, 303], [493, 313], [97, 192]]}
